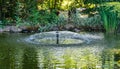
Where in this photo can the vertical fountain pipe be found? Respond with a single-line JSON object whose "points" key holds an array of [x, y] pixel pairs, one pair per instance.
{"points": [[57, 37]]}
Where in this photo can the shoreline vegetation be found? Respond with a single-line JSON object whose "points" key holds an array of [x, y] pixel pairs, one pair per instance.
{"points": [[79, 24], [52, 15]]}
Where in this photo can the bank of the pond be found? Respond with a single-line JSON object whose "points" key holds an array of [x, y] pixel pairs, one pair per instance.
{"points": [[67, 27]]}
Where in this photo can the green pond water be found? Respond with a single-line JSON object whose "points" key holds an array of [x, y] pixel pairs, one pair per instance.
{"points": [[16, 53]]}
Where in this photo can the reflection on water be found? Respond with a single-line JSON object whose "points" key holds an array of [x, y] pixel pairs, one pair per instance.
{"points": [[16, 54]]}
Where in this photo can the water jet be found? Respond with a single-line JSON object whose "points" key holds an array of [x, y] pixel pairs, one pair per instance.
{"points": [[62, 37]]}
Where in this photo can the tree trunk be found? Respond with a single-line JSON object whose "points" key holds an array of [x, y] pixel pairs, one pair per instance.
{"points": [[55, 4]]}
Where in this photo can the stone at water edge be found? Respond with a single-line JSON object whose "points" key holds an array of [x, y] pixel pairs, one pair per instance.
{"points": [[69, 26], [25, 29], [77, 30], [13, 29]]}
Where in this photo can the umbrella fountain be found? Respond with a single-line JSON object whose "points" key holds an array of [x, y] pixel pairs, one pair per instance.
{"points": [[62, 37]]}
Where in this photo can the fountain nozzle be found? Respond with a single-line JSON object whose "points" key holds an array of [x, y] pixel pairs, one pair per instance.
{"points": [[57, 37]]}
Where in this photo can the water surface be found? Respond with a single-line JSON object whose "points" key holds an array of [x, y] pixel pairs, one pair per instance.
{"points": [[16, 53]]}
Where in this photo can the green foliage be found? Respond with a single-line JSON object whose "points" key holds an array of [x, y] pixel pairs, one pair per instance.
{"points": [[20, 22], [43, 13], [115, 8], [1, 24], [47, 20], [18, 13], [85, 21], [62, 19], [33, 17], [109, 18]]}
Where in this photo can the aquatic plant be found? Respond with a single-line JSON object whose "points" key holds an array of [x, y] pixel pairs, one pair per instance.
{"points": [[116, 6], [109, 18]]}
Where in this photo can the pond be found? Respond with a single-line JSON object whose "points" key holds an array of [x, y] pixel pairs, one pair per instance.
{"points": [[16, 53]]}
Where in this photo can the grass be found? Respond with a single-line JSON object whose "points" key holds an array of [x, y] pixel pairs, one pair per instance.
{"points": [[109, 17], [116, 6]]}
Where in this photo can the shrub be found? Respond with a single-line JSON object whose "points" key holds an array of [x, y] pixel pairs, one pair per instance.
{"points": [[47, 20], [91, 21]]}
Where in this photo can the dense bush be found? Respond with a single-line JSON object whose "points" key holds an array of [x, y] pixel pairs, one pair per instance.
{"points": [[87, 21], [47, 19]]}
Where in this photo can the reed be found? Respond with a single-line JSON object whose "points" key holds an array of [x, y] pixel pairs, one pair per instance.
{"points": [[109, 18]]}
